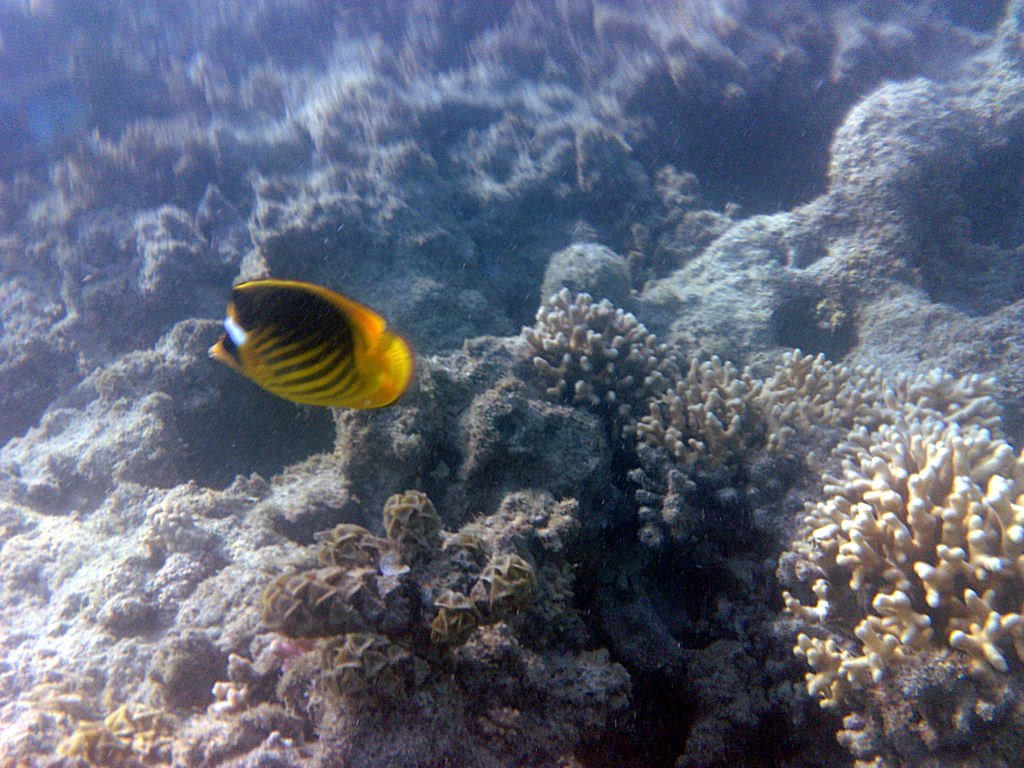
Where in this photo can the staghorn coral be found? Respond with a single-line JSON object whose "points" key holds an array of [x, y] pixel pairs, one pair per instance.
{"points": [[807, 391], [810, 391], [717, 413], [966, 400], [718, 421], [930, 711], [592, 353], [228, 698]]}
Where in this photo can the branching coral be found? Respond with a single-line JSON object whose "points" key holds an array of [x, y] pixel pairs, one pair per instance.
{"points": [[710, 417], [594, 354], [918, 545], [716, 414], [807, 392]]}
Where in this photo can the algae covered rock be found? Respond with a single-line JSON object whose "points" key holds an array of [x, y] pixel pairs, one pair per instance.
{"points": [[589, 268]]}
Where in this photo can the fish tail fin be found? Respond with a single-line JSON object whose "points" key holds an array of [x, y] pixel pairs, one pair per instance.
{"points": [[395, 357]]}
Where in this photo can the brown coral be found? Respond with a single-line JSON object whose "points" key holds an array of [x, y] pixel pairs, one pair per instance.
{"points": [[412, 524], [125, 738], [456, 618], [504, 585], [348, 545], [374, 611], [356, 662]]}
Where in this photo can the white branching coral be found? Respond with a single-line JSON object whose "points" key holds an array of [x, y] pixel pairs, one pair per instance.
{"points": [[711, 416], [918, 545], [594, 354], [716, 413], [967, 400], [805, 391]]}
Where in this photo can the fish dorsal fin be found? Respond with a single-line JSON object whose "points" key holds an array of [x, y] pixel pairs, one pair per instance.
{"points": [[362, 316]]}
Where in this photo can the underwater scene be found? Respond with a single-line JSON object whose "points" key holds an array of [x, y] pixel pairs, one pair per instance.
{"points": [[519, 383]]}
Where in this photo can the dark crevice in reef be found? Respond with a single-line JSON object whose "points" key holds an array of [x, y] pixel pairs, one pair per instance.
{"points": [[661, 610], [654, 732], [969, 243], [238, 436], [653, 736], [994, 192], [810, 322], [760, 152]]}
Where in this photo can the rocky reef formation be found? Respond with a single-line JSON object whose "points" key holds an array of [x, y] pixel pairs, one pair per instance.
{"points": [[647, 530]]}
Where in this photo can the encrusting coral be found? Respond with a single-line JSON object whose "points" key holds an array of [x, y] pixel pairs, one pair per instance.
{"points": [[386, 606]]}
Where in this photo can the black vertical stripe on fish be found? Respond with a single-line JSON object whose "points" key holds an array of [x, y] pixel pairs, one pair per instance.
{"points": [[301, 316]]}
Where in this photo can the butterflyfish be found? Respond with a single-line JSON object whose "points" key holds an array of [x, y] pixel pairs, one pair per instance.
{"points": [[308, 344]]}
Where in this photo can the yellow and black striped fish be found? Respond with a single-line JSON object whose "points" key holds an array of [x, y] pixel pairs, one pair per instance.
{"points": [[311, 345]]}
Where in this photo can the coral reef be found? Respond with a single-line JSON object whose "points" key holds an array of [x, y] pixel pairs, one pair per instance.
{"points": [[126, 737], [381, 628], [744, 178], [914, 551], [922, 508], [710, 417], [596, 354], [378, 600], [589, 268]]}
